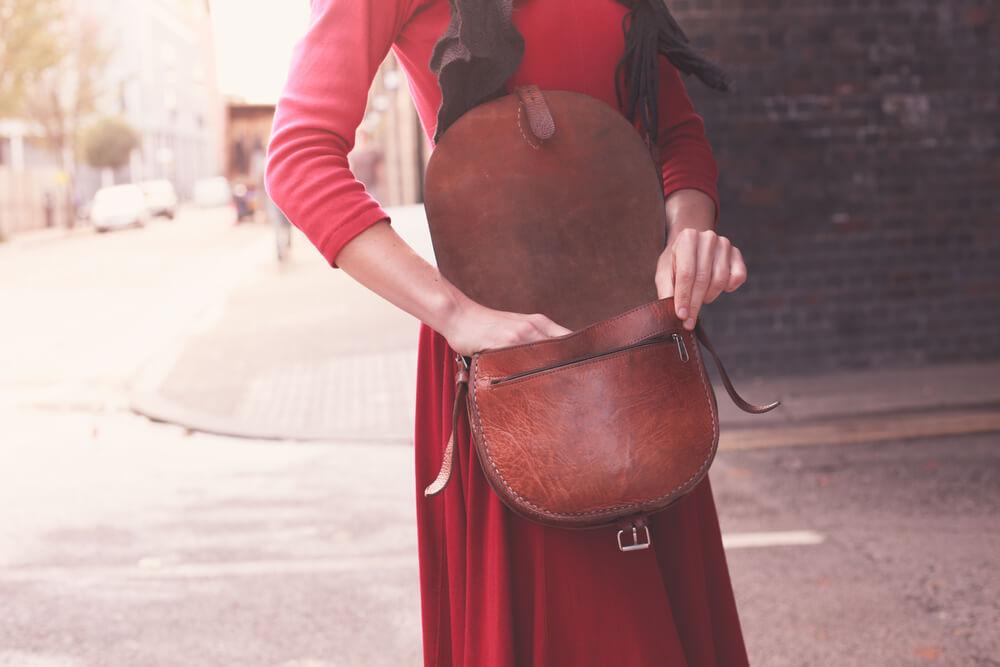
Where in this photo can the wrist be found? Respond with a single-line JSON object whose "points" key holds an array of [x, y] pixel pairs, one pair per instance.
{"points": [[689, 208], [448, 307]]}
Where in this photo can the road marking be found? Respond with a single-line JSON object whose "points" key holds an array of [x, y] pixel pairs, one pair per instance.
{"points": [[152, 568], [774, 538]]}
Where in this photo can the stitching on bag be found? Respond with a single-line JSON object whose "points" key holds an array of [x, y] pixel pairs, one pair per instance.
{"points": [[521, 127], [607, 510]]}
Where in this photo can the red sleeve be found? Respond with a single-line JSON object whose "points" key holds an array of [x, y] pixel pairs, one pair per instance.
{"points": [[317, 115], [685, 153]]}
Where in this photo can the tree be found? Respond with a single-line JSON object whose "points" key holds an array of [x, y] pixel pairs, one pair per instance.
{"points": [[108, 143], [67, 92], [29, 45]]}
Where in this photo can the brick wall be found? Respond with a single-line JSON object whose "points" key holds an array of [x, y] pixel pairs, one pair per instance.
{"points": [[860, 175]]}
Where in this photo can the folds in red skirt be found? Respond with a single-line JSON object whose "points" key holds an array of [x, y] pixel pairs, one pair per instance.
{"points": [[498, 590]]}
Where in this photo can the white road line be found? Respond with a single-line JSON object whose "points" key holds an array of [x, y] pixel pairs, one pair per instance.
{"points": [[150, 568], [153, 568], [774, 538]]}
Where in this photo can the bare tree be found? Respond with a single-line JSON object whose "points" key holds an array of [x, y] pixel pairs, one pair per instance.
{"points": [[67, 92]]}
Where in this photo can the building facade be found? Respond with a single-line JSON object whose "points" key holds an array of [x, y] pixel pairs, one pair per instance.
{"points": [[159, 76], [162, 79]]}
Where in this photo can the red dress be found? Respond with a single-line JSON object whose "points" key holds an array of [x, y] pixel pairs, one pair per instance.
{"points": [[498, 590]]}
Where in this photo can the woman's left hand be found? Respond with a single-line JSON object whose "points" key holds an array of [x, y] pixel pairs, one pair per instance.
{"points": [[696, 266]]}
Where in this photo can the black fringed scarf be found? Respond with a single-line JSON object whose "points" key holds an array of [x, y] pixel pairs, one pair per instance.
{"points": [[482, 48]]}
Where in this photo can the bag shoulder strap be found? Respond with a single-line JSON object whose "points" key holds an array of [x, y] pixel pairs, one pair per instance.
{"points": [[740, 402]]}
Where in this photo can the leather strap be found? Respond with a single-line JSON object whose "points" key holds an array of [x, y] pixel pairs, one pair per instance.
{"points": [[462, 385], [740, 402], [540, 119], [444, 474]]}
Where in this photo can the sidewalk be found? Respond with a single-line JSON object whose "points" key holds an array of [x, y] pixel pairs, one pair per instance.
{"points": [[865, 406], [31, 237], [302, 352], [299, 352]]}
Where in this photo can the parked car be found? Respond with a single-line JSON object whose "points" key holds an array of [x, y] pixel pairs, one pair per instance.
{"points": [[118, 206], [161, 198]]}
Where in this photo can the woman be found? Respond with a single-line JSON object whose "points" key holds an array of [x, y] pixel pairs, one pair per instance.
{"points": [[496, 589]]}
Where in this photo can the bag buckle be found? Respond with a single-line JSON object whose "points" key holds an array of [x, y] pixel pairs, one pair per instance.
{"points": [[636, 544]]}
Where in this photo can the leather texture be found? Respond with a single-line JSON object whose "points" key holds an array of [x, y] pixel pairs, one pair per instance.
{"points": [[625, 426], [613, 421], [570, 226], [550, 202]]}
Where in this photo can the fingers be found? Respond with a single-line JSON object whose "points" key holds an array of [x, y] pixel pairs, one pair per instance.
{"points": [[737, 270], [685, 256], [665, 275], [547, 327], [720, 270], [698, 267], [486, 329], [704, 265]]}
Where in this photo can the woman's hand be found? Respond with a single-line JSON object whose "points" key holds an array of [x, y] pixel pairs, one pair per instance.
{"points": [[382, 261], [474, 327], [696, 266]]}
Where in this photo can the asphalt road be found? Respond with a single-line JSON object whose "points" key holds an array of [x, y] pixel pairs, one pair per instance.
{"points": [[907, 573], [128, 542]]}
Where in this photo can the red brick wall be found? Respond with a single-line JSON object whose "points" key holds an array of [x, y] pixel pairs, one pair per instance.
{"points": [[860, 175]]}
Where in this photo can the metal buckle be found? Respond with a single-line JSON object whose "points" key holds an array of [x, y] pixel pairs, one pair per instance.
{"points": [[461, 361], [636, 544]]}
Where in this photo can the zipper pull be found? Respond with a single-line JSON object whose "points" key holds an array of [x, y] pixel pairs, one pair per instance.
{"points": [[681, 348]]}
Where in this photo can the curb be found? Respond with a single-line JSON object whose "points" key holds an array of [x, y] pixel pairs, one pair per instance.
{"points": [[867, 428], [155, 408]]}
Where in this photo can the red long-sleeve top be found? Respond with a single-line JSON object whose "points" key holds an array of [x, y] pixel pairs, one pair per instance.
{"points": [[324, 98]]}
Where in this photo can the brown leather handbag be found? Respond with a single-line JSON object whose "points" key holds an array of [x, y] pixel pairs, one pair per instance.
{"points": [[550, 202]]}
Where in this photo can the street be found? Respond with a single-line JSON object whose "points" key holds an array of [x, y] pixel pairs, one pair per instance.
{"points": [[128, 541], [906, 572]]}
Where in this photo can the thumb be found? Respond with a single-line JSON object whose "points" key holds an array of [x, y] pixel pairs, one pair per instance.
{"points": [[665, 277], [555, 329]]}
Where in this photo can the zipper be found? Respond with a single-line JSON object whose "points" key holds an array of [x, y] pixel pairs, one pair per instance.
{"points": [[682, 353]]}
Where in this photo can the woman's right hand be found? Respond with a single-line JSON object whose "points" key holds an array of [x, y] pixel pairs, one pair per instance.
{"points": [[474, 327]]}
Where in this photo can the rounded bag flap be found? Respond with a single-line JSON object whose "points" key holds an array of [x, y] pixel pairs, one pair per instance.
{"points": [[563, 216]]}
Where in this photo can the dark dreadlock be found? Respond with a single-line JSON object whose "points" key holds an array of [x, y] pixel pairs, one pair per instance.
{"points": [[650, 30], [482, 48]]}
